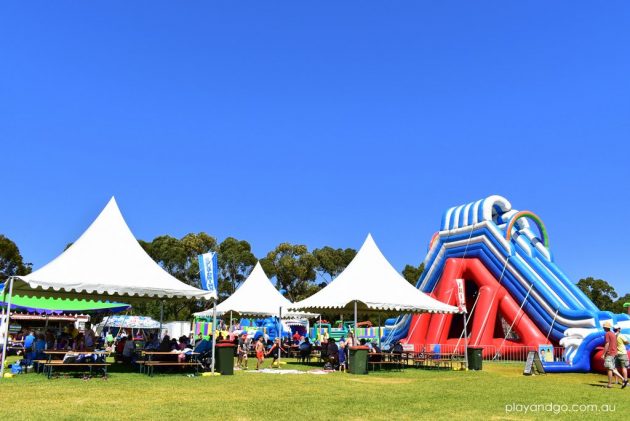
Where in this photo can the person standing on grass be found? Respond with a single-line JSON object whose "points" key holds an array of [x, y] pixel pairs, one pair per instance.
{"points": [[622, 355], [342, 356], [246, 347], [260, 353], [350, 342], [610, 353], [275, 351], [241, 353]]}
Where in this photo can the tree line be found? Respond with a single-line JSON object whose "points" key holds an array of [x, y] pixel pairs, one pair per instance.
{"points": [[296, 271]]}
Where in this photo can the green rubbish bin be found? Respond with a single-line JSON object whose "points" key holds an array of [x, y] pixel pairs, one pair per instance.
{"points": [[357, 361], [474, 358], [224, 353]]}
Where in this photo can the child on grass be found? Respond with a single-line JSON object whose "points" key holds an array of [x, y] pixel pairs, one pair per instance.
{"points": [[342, 356], [260, 353]]}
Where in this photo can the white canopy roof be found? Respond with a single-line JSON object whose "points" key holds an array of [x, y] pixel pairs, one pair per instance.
{"points": [[105, 261], [257, 297], [371, 280]]}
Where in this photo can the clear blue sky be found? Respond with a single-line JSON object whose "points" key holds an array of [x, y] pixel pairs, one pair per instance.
{"points": [[317, 122]]}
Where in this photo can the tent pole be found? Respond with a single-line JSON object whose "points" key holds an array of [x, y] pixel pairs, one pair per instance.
{"points": [[46, 324], [319, 330], [355, 324], [379, 330], [280, 335], [3, 322], [4, 293], [230, 320], [214, 330], [465, 341], [5, 328], [161, 316]]}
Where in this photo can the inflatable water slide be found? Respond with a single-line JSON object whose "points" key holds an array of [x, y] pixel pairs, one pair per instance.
{"points": [[516, 296]]}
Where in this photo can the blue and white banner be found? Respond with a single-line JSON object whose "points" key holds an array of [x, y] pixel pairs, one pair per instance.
{"points": [[208, 271]]}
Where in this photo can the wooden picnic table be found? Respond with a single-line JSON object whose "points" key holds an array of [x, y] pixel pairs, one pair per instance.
{"points": [[69, 351], [438, 360], [385, 359], [150, 364], [49, 364]]}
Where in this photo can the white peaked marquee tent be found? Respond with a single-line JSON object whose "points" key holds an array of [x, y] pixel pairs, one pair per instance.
{"points": [[106, 262], [370, 283], [256, 297]]}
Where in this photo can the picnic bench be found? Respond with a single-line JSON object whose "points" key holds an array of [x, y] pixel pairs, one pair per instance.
{"points": [[149, 363], [50, 363], [49, 366], [379, 360], [434, 360]]}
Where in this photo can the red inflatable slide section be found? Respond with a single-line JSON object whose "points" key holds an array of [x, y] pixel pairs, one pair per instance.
{"points": [[495, 314]]}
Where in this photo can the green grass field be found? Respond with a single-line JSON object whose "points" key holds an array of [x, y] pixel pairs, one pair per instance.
{"points": [[411, 394]]}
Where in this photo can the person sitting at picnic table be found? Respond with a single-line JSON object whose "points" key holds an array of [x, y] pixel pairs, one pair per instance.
{"points": [[49, 337], [165, 345], [305, 350], [19, 336], [182, 353], [183, 342], [174, 345], [63, 341], [89, 337], [152, 342], [128, 350], [286, 343], [73, 331], [79, 343], [324, 350], [296, 337], [275, 351], [333, 353]]}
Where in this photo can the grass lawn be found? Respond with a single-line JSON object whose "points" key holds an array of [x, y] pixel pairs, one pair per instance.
{"points": [[411, 394]]}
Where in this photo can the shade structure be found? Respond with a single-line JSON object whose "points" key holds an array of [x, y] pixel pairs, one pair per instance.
{"points": [[105, 261], [49, 305], [256, 297], [371, 283], [130, 322]]}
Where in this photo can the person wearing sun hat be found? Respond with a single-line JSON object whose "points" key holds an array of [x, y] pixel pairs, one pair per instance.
{"points": [[622, 355], [609, 355]]}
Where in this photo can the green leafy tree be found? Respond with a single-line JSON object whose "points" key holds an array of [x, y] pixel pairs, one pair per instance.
{"points": [[412, 273], [179, 258], [618, 305], [235, 261], [11, 262], [332, 262], [294, 268], [601, 293]]}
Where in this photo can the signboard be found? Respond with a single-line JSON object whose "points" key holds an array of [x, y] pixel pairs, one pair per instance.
{"points": [[208, 271], [546, 353], [533, 365], [461, 296]]}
